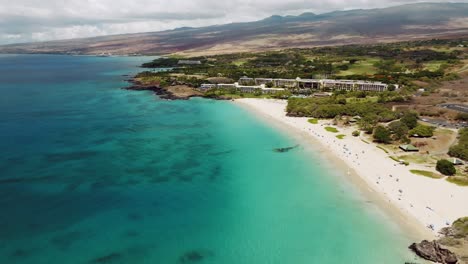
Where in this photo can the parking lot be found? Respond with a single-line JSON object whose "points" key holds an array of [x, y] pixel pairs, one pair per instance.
{"points": [[457, 107]]}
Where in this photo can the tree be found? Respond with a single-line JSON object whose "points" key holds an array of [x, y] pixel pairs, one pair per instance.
{"points": [[410, 119], [399, 130], [445, 167], [460, 150], [356, 133], [382, 135], [391, 87], [368, 122]]}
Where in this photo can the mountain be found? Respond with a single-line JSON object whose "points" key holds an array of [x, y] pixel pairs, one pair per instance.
{"points": [[405, 22]]}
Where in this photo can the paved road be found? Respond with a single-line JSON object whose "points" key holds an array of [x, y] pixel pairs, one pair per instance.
{"points": [[457, 107], [444, 123]]}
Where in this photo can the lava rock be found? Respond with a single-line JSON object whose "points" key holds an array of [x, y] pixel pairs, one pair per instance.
{"points": [[434, 252]]}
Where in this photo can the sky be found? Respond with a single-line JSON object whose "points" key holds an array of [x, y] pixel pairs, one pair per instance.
{"points": [[43, 20]]}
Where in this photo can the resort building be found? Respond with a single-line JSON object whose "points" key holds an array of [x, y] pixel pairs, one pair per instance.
{"points": [[316, 84], [285, 83], [246, 81], [207, 86], [189, 62], [226, 85], [338, 85], [265, 81], [313, 84]]}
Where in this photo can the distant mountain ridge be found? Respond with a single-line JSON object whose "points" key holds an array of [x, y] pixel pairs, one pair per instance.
{"points": [[405, 22]]}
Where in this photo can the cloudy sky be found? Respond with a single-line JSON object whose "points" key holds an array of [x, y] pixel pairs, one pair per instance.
{"points": [[40, 20]]}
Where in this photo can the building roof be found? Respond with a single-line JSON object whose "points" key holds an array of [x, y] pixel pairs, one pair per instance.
{"points": [[456, 161], [409, 147]]}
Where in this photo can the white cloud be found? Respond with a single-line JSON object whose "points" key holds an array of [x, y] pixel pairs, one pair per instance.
{"points": [[41, 20]]}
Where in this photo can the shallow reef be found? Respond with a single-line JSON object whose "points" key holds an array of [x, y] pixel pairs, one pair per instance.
{"points": [[195, 256]]}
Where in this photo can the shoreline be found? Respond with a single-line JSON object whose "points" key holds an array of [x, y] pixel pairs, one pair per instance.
{"points": [[414, 202]]}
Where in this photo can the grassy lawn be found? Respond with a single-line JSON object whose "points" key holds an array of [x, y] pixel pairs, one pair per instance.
{"points": [[433, 65], [458, 180], [331, 129], [418, 159], [341, 136], [313, 121], [365, 141], [384, 149], [364, 66], [428, 174], [398, 160], [240, 62]]}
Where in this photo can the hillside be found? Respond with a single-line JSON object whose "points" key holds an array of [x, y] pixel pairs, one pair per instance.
{"points": [[406, 22]]}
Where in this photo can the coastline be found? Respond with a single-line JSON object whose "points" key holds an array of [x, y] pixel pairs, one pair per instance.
{"points": [[414, 202]]}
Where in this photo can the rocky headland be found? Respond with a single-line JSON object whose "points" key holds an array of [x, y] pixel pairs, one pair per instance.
{"points": [[174, 91], [452, 248]]}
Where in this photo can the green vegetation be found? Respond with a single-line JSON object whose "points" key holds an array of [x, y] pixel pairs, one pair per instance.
{"points": [[460, 150], [428, 174], [422, 131], [341, 136], [331, 129], [419, 159], [382, 135], [356, 133], [458, 180], [313, 121], [399, 160], [399, 131], [364, 66], [394, 63], [234, 93], [162, 63], [460, 227], [462, 117], [445, 167], [384, 149], [331, 107], [409, 119]]}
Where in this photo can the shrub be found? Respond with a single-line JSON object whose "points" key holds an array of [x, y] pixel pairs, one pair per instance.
{"points": [[313, 121], [422, 131], [356, 133], [331, 129], [462, 117], [445, 167], [382, 135], [460, 150]]}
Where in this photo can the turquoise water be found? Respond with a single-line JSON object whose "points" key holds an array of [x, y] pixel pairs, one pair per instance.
{"points": [[90, 173]]}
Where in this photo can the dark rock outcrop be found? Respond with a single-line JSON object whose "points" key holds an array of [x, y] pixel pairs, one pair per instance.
{"points": [[176, 91], [434, 252], [282, 150]]}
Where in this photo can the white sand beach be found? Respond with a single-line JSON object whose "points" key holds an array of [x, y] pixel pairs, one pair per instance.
{"points": [[433, 203]]}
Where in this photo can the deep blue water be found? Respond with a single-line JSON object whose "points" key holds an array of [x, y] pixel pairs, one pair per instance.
{"points": [[91, 173]]}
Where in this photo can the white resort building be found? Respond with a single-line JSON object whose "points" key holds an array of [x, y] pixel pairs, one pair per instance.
{"points": [[318, 84], [250, 85]]}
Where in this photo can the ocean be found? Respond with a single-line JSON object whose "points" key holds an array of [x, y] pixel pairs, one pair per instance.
{"points": [[92, 173]]}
